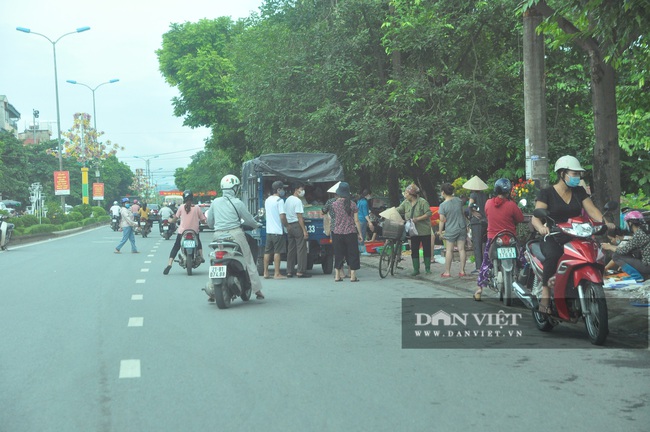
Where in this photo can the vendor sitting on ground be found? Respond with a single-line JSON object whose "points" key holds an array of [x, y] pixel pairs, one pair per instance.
{"points": [[639, 269]]}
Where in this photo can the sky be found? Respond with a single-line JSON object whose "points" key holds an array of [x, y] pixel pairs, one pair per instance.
{"points": [[135, 112]]}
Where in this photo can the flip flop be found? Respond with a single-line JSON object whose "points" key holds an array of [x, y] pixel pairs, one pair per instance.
{"points": [[267, 277], [445, 275], [354, 280], [477, 296], [461, 275], [338, 280]]}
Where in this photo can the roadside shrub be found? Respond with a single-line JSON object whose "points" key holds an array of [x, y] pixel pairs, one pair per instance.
{"points": [[99, 211], [28, 220], [85, 209], [71, 225], [104, 219], [39, 229], [74, 216], [88, 221]]}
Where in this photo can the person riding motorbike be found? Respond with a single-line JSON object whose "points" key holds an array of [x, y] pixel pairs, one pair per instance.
{"points": [[190, 216], [502, 215], [115, 209], [624, 257], [226, 214], [143, 212], [165, 213], [564, 200]]}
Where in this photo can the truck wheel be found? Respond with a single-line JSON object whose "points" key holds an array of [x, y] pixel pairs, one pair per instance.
{"points": [[328, 263]]}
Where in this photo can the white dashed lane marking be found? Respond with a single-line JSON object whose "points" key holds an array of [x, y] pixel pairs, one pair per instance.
{"points": [[149, 255], [147, 262], [130, 368], [136, 322], [140, 281], [144, 270], [137, 297]]}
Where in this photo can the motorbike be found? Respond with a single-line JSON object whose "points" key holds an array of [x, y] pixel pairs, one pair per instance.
{"points": [[115, 222], [6, 229], [145, 227], [228, 273], [166, 228], [504, 254], [577, 287], [188, 257]]}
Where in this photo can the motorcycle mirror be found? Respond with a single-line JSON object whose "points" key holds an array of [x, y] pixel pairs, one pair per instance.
{"points": [[611, 206]]}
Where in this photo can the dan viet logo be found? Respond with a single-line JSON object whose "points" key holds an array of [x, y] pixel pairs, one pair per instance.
{"points": [[444, 324]]}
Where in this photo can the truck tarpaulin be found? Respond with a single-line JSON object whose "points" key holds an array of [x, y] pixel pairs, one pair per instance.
{"points": [[303, 167]]}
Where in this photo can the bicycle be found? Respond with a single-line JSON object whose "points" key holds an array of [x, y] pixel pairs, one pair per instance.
{"points": [[391, 253]]}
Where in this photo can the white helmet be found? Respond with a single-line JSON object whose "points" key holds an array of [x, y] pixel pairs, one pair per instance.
{"points": [[569, 163], [229, 182], [114, 202]]}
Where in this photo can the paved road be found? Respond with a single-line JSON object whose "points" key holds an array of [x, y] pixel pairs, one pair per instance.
{"points": [[93, 341]]}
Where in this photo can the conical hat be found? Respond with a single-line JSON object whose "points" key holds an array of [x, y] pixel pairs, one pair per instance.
{"points": [[475, 183], [333, 188]]}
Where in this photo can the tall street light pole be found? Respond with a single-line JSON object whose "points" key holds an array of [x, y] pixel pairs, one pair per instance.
{"points": [[56, 90], [92, 89]]}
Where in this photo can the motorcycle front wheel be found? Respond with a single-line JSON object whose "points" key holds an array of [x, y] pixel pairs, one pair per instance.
{"points": [[596, 320]]}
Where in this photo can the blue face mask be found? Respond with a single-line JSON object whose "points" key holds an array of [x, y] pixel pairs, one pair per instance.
{"points": [[573, 181], [281, 192]]}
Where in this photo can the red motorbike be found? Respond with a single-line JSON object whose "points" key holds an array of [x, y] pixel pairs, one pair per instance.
{"points": [[577, 287]]}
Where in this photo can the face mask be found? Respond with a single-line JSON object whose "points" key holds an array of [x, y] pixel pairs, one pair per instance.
{"points": [[301, 193], [281, 192], [573, 181]]}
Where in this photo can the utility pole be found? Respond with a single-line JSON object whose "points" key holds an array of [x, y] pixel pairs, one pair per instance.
{"points": [[535, 101]]}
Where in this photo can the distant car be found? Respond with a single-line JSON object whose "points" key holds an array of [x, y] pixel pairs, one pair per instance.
{"points": [[153, 212], [204, 208]]}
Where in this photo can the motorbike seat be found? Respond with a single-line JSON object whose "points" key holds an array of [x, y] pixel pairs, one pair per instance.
{"points": [[536, 250]]}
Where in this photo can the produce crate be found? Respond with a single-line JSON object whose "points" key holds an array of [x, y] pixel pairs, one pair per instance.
{"points": [[392, 230], [371, 247]]}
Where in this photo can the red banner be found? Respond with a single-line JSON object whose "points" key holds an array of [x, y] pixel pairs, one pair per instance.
{"points": [[98, 191], [61, 183], [179, 193]]}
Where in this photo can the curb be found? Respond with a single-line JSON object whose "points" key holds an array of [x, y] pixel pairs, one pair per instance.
{"points": [[32, 238]]}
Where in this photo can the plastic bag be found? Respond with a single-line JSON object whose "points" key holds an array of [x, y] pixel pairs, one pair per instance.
{"points": [[409, 226]]}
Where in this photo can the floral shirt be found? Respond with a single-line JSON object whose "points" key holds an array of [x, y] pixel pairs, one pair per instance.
{"points": [[639, 241], [343, 223]]}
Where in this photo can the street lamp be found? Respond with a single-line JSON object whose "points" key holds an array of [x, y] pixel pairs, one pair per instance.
{"points": [[93, 90], [56, 81], [56, 89]]}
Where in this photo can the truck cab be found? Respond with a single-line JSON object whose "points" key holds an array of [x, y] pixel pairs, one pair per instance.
{"points": [[318, 172]]}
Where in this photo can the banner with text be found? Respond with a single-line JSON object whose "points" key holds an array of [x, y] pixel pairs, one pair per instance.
{"points": [[61, 183], [98, 191]]}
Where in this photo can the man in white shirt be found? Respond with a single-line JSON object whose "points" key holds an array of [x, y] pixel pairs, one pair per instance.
{"points": [[276, 220], [296, 233], [115, 210]]}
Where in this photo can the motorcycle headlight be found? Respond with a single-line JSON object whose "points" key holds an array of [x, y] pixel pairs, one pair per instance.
{"points": [[580, 230]]}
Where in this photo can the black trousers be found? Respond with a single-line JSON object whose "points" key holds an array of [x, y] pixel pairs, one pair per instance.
{"points": [[426, 247], [346, 248], [552, 247]]}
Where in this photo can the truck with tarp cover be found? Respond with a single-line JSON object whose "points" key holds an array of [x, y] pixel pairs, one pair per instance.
{"points": [[317, 172]]}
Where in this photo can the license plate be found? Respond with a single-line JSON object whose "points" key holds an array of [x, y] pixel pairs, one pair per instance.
{"points": [[506, 253], [217, 272], [189, 244], [143, 223], [165, 227]]}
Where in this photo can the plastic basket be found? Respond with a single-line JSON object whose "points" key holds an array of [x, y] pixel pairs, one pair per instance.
{"points": [[392, 230]]}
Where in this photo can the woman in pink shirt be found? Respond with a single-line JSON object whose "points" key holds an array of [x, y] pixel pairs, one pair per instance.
{"points": [[190, 216]]}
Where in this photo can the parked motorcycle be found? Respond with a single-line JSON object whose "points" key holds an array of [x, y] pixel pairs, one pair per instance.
{"points": [[577, 287], [504, 254], [6, 229], [228, 271], [166, 228], [188, 257], [115, 222]]}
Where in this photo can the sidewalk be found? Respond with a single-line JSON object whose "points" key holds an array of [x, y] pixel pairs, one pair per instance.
{"points": [[623, 317]]}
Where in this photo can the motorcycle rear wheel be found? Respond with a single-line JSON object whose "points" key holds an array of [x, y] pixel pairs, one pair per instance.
{"points": [[222, 296], [507, 288], [596, 320], [542, 321], [189, 262]]}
